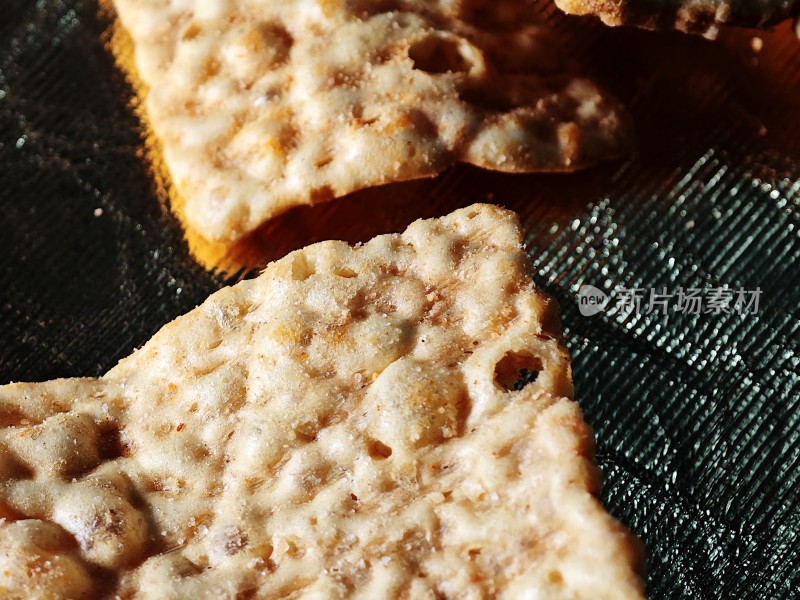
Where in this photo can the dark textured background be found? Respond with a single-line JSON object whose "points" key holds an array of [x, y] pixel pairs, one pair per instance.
{"points": [[697, 417]]}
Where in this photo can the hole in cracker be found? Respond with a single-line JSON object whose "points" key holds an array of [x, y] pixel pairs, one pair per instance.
{"points": [[12, 417], [438, 53], [182, 567], [11, 468], [516, 370], [8, 513], [110, 445], [378, 450], [278, 42], [345, 272], [264, 551], [212, 68], [191, 32], [293, 549], [324, 161], [306, 432], [302, 268]]}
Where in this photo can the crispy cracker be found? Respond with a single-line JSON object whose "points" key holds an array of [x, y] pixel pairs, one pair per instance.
{"points": [[704, 17], [263, 105], [350, 424]]}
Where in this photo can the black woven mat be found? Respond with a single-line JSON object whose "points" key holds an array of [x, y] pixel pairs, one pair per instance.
{"points": [[696, 414]]}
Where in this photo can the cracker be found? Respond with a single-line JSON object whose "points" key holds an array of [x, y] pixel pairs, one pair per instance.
{"points": [[704, 17], [262, 105], [350, 424]]}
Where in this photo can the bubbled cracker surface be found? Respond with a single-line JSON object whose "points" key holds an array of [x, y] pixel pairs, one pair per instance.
{"points": [[344, 425], [261, 105]]}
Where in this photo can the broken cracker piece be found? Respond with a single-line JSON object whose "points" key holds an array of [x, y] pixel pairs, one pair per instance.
{"points": [[262, 105], [353, 423], [704, 17]]}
